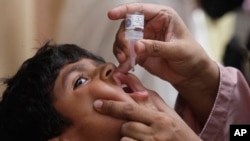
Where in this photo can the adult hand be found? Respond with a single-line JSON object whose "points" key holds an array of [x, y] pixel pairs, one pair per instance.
{"points": [[147, 124], [169, 51]]}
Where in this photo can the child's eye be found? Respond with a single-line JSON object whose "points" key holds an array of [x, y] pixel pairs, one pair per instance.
{"points": [[80, 81]]}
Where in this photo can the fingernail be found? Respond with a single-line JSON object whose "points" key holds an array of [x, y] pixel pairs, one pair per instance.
{"points": [[98, 104], [121, 57], [125, 67], [141, 47]]}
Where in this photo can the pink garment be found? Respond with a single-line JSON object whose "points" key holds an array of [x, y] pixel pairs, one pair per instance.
{"points": [[232, 106], [246, 5]]}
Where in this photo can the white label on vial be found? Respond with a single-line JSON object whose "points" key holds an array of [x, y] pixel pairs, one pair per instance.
{"points": [[134, 21]]}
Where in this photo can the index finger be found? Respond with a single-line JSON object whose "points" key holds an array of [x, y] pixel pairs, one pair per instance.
{"points": [[149, 10], [124, 110]]}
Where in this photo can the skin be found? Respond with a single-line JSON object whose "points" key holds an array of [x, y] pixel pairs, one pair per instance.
{"points": [[79, 85], [145, 124], [168, 51]]}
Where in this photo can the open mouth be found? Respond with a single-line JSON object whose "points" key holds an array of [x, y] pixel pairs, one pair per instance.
{"points": [[125, 83], [126, 88]]}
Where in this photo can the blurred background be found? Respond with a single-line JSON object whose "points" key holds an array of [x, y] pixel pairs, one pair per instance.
{"points": [[222, 27]]}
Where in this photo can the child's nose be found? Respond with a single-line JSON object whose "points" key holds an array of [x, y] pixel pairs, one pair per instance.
{"points": [[107, 71]]}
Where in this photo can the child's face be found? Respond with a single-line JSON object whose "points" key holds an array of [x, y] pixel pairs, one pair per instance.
{"points": [[78, 85]]}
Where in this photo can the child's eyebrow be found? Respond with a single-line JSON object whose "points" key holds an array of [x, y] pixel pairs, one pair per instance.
{"points": [[75, 68]]}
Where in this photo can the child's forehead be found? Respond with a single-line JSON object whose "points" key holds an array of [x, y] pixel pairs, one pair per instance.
{"points": [[84, 62]]}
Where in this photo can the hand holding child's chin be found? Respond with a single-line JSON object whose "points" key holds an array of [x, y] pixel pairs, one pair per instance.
{"points": [[150, 117]]}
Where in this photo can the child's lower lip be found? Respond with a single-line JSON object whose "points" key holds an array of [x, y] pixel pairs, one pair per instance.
{"points": [[125, 82], [143, 92]]}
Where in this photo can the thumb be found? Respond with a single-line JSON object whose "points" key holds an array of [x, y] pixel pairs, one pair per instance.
{"points": [[124, 110], [153, 48], [113, 108]]}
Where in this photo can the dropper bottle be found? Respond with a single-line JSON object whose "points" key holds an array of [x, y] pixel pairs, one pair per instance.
{"points": [[134, 26]]}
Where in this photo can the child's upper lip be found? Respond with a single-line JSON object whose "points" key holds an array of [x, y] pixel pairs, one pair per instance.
{"points": [[124, 80]]}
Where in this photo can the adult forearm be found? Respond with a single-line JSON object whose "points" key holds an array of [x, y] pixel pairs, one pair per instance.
{"points": [[200, 91]]}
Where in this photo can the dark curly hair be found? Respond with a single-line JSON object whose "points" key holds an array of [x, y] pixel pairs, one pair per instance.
{"points": [[26, 108]]}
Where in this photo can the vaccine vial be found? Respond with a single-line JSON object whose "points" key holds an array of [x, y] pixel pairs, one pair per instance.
{"points": [[134, 25]]}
